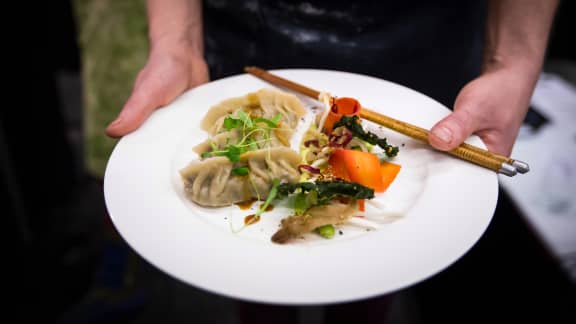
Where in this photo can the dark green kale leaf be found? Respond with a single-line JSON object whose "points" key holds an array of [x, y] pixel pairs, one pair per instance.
{"points": [[325, 191], [352, 124]]}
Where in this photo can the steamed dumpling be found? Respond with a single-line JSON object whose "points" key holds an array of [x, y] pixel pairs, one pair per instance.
{"points": [[234, 136], [210, 182], [218, 142], [265, 103]]}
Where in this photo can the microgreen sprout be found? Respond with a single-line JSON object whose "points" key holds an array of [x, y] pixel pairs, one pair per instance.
{"points": [[255, 132], [271, 196]]}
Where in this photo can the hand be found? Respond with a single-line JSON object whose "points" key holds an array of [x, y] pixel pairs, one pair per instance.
{"points": [[492, 106], [167, 74]]}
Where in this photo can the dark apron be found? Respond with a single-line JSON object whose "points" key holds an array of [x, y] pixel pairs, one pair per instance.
{"points": [[433, 47]]}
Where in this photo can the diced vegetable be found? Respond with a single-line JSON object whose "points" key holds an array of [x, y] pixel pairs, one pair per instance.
{"points": [[303, 201], [389, 171], [341, 107], [361, 205], [313, 142], [357, 166], [326, 231], [308, 168]]}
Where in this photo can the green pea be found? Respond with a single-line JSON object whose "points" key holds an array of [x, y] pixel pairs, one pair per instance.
{"points": [[326, 231]]}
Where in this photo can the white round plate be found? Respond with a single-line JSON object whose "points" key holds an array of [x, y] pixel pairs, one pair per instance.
{"points": [[440, 206]]}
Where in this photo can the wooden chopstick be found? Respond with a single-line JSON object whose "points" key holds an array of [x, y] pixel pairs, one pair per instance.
{"points": [[470, 153]]}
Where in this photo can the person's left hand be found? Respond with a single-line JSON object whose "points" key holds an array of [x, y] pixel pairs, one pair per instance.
{"points": [[492, 106]]}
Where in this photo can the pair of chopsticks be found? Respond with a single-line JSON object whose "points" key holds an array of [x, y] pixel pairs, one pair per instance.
{"points": [[470, 153]]}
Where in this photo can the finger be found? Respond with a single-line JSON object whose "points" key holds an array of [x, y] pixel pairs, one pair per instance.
{"points": [[136, 109], [453, 130], [147, 96]]}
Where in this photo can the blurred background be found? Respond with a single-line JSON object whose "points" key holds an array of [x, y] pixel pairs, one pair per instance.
{"points": [[68, 264]]}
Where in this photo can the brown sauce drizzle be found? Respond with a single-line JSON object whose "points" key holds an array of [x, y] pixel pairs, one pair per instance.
{"points": [[270, 207], [244, 205], [251, 219]]}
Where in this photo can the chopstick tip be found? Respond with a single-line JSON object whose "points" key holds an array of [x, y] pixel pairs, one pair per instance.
{"points": [[521, 167], [507, 169]]}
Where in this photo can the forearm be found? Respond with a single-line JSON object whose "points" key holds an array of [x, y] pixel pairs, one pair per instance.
{"points": [[517, 34], [176, 23]]}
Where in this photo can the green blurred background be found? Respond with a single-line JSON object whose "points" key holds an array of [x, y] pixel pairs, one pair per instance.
{"points": [[114, 45]]}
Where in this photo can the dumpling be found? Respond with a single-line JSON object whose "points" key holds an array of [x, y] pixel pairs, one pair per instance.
{"points": [[265, 103], [211, 183], [234, 136], [214, 118], [218, 142]]}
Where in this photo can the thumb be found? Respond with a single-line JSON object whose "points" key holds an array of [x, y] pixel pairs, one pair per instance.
{"points": [[451, 131], [146, 97]]}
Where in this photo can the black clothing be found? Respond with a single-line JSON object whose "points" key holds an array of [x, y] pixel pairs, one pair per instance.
{"points": [[433, 47]]}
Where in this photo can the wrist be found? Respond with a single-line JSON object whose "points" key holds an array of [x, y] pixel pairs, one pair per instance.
{"points": [[176, 44], [180, 51], [176, 25], [520, 63], [522, 71]]}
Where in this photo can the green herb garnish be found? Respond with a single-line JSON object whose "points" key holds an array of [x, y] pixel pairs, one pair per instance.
{"points": [[250, 128], [232, 152], [271, 196], [244, 121], [240, 171]]}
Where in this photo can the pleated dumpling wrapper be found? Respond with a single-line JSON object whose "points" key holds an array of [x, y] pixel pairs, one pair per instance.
{"points": [[266, 103], [211, 182]]}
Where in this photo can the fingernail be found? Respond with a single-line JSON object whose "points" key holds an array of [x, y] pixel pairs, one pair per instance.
{"points": [[444, 134], [116, 122]]}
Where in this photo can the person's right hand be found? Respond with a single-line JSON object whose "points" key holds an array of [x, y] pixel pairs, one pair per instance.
{"points": [[168, 73]]}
